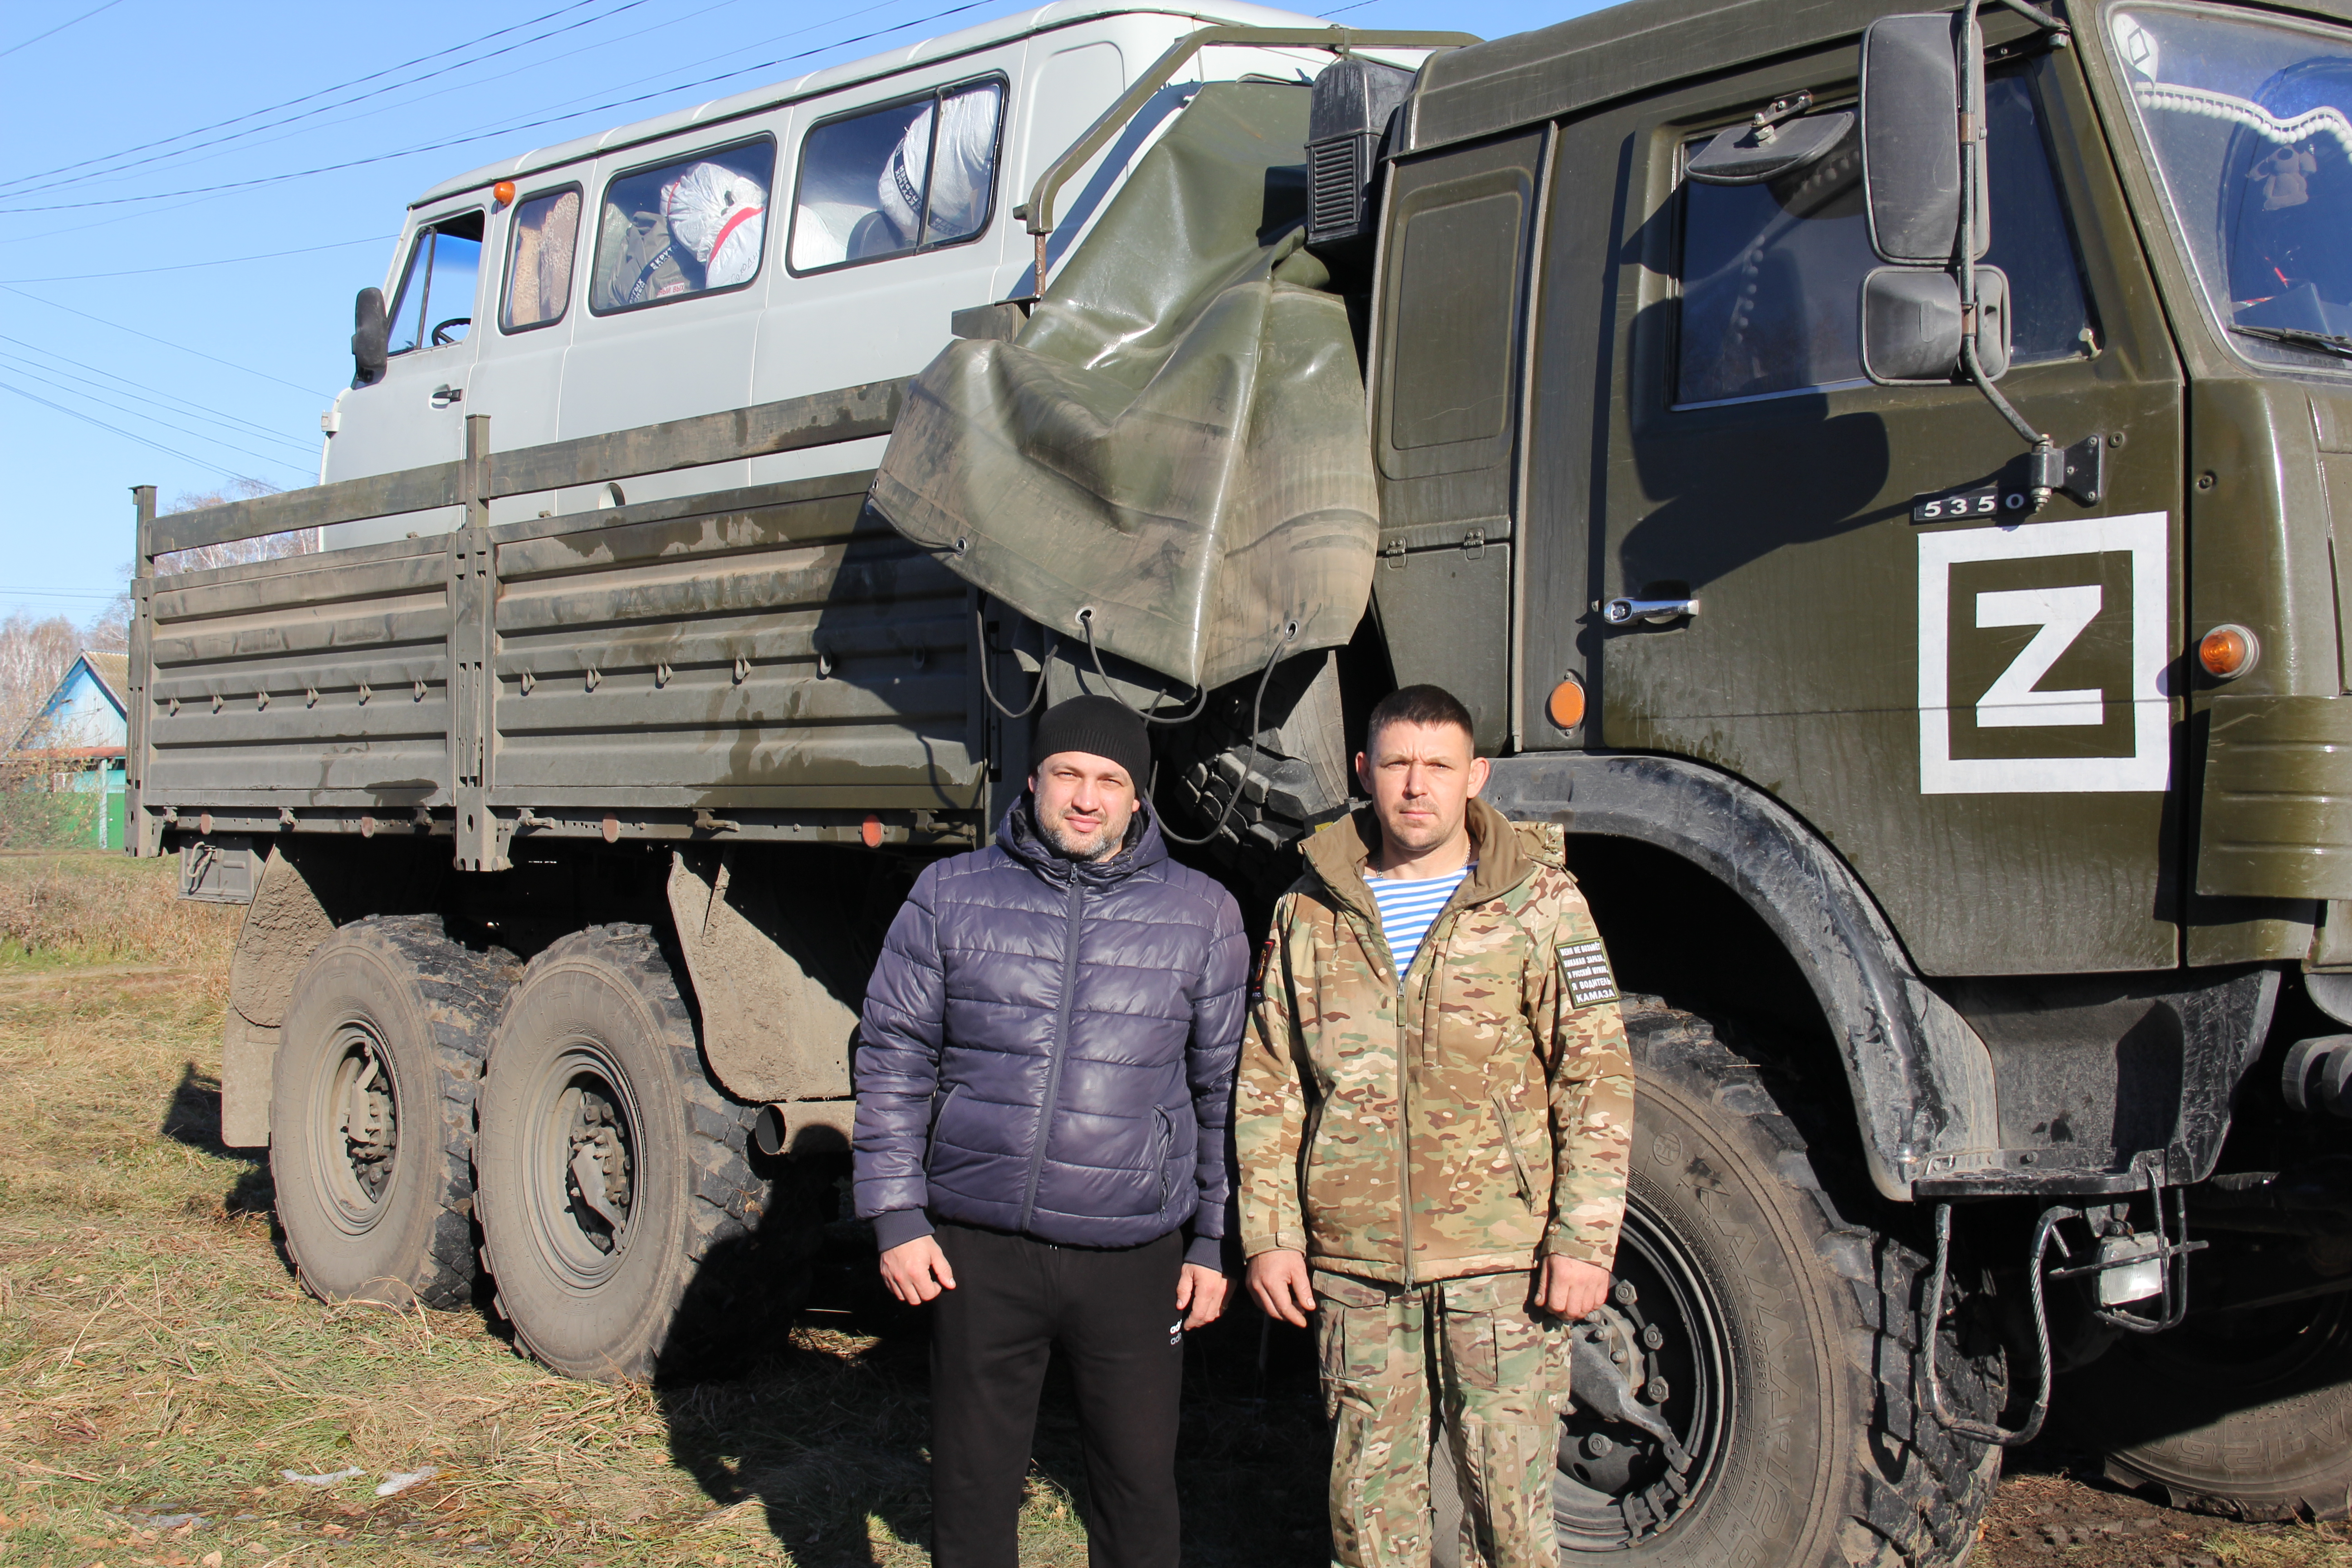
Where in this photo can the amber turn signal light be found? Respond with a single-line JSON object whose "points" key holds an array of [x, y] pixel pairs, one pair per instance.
{"points": [[1565, 706], [2227, 652], [504, 191]]}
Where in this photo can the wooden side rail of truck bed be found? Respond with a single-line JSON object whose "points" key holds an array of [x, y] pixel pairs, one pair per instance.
{"points": [[768, 662]]}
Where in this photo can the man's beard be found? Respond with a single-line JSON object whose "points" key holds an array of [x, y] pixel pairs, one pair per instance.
{"points": [[1100, 845]]}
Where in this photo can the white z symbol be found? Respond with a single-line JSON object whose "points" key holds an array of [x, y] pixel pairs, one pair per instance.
{"points": [[2010, 702]]}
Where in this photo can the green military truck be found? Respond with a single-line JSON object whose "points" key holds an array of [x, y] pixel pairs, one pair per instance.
{"points": [[1871, 476]]}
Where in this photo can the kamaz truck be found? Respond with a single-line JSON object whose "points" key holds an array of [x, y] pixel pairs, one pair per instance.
{"points": [[1870, 475]]}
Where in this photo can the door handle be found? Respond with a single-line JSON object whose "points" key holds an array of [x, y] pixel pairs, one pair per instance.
{"points": [[445, 395], [1658, 612]]}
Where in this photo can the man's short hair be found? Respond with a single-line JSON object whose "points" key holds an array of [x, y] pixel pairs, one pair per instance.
{"points": [[1418, 705]]}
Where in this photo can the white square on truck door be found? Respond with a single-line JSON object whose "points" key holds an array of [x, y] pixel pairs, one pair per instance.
{"points": [[2041, 657]]}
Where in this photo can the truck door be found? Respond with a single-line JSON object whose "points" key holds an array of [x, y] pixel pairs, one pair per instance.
{"points": [[415, 411], [1969, 699]]}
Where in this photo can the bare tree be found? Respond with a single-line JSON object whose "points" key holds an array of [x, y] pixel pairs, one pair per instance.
{"points": [[34, 657]]}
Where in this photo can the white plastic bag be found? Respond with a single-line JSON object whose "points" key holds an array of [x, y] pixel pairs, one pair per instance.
{"points": [[721, 216]]}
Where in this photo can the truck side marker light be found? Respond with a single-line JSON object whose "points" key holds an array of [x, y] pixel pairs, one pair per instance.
{"points": [[504, 191], [871, 833], [2228, 651], [1565, 706], [611, 830]]}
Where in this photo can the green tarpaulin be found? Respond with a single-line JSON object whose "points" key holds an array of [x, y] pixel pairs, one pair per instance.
{"points": [[1176, 439]]}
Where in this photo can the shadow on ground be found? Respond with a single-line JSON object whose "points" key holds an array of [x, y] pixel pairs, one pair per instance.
{"points": [[818, 1415], [194, 1119]]}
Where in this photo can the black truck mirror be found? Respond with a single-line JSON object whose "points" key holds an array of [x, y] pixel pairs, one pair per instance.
{"points": [[1912, 319], [370, 336], [1911, 105]]}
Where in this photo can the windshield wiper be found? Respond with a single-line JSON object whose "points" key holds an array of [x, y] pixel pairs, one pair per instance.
{"points": [[2299, 337]]}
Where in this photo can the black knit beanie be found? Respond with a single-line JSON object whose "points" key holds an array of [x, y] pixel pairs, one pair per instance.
{"points": [[1103, 726]]}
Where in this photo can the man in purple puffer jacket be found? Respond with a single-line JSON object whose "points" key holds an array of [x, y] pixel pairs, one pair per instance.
{"points": [[1043, 1075]]}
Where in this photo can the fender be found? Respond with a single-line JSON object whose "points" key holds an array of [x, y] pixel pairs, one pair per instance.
{"points": [[1922, 1080]]}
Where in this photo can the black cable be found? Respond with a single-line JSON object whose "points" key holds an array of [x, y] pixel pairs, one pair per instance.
{"points": [[1289, 635], [1086, 625], [484, 136], [30, 372], [102, 320], [126, 435], [980, 631], [288, 103], [182, 406]]}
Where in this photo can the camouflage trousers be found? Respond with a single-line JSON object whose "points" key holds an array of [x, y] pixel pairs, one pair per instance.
{"points": [[1470, 1351]]}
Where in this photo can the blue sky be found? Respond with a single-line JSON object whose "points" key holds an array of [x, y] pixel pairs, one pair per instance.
{"points": [[117, 116]]}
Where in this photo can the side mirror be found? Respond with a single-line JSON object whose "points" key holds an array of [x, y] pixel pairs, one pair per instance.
{"points": [[1911, 105], [1912, 322], [370, 336]]}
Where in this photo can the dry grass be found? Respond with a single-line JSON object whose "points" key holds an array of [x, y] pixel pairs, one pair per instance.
{"points": [[157, 1360], [86, 907]]}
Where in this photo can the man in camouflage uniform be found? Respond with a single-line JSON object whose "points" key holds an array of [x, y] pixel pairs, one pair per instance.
{"points": [[1433, 1163]]}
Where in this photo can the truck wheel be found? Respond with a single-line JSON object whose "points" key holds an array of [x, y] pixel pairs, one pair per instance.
{"points": [[1763, 1410], [608, 1165], [2240, 1413], [372, 1113]]}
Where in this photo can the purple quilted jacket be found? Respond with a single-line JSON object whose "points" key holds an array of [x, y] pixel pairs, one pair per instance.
{"points": [[1048, 1047]]}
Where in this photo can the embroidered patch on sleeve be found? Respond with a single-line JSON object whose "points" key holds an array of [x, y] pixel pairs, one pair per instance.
{"points": [[1584, 970]]}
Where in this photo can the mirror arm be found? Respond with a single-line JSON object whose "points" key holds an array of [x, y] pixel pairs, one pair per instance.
{"points": [[1972, 178]]}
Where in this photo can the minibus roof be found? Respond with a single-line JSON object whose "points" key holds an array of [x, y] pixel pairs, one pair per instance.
{"points": [[1021, 23]]}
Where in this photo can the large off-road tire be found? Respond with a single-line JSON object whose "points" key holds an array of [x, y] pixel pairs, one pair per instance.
{"points": [[371, 1111], [2240, 1413], [609, 1168], [1781, 1328]]}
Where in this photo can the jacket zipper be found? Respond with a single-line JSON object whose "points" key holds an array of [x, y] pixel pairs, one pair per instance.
{"points": [[1164, 1142], [1060, 1048]]}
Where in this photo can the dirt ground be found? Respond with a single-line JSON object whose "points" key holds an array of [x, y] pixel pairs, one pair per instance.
{"points": [[2054, 1508], [169, 1397]]}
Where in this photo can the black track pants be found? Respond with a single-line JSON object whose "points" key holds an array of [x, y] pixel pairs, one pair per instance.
{"points": [[1113, 1317]]}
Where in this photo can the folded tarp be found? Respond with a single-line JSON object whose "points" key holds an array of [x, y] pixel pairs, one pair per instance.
{"points": [[1176, 440]]}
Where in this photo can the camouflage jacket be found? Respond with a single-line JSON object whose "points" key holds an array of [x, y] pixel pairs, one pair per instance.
{"points": [[1471, 1120]]}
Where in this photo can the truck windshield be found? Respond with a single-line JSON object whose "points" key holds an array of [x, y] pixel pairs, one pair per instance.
{"points": [[2249, 127]]}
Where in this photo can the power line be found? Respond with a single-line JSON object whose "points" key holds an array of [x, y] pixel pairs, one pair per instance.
{"points": [[167, 343], [118, 169], [274, 108], [190, 266], [116, 375], [72, 413], [155, 397], [21, 368], [53, 32], [532, 125], [56, 594]]}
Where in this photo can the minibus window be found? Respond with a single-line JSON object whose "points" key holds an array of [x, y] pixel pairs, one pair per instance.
{"points": [[692, 227], [538, 272], [898, 179]]}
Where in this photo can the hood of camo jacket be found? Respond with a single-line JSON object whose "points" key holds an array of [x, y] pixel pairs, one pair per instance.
{"points": [[1472, 1119]]}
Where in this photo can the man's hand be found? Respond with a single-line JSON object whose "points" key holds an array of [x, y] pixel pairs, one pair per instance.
{"points": [[1201, 1295], [1571, 1288], [917, 1271], [1278, 1280]]}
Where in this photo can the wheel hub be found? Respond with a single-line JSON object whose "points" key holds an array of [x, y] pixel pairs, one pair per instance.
{"points": [[366, 1115], [599, 1168], [1647, 1386]]}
